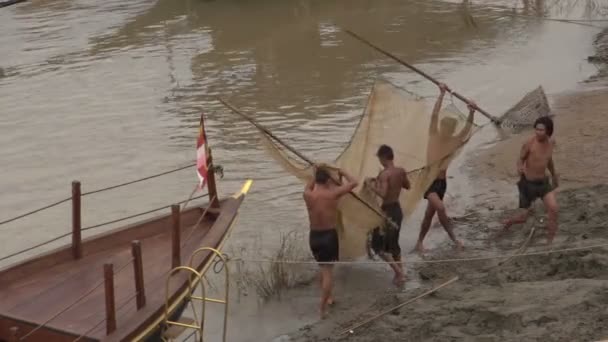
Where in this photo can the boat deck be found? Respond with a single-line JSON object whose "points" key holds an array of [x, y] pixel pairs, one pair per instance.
{"points": [[71, 293]]}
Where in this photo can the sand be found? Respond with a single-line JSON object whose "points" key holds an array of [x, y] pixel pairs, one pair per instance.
{"points": [[557, 296]]}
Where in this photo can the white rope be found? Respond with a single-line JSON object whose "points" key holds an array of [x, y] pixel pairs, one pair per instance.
{"points": [[274, 261]]}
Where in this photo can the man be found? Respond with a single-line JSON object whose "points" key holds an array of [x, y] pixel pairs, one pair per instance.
{"points": [[388, 186], [442, 143], [321, 196], [535, 157]]}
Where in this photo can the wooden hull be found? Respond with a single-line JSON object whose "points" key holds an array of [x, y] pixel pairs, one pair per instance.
{"points": [[63, 299]]}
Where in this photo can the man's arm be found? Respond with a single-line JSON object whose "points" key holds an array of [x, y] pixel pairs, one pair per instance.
{"points": [[435, 116], [467, 128], [347, 186], [380, 187], [554, 177], [309, 187], [406, 181], [523, 155]]}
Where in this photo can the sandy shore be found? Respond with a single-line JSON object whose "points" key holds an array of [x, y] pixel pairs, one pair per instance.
{"points": [[558, 296]]}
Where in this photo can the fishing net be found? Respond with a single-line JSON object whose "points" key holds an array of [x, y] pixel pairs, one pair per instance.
{"points": [[523, 114], [402, 120]]}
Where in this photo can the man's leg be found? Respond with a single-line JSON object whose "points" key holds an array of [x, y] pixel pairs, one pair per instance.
{"points": [[437, 204], [326, 288], [552, 208], [525, 203], [424, 227]]}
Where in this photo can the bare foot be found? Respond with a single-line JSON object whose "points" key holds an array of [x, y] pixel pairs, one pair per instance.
{"points": [[459, 246], [399, 280], [330, 301], [507, 223], [420, 248]]}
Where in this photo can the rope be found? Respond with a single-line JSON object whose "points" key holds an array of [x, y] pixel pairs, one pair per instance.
{"points": [[74, 303], [140, 214], [94, 192], [493, 257], [91, 227], [34, 247], [35, 211], [137, 180]]}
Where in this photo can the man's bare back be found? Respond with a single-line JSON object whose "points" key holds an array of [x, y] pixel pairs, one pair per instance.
{"points": [[392, 180], [322, 205]]}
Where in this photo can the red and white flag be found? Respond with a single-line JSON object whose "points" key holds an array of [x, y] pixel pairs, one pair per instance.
{"points": [[201, 155]]}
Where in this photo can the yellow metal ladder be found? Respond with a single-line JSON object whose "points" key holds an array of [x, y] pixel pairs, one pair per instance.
{"points": [[173, 329]]}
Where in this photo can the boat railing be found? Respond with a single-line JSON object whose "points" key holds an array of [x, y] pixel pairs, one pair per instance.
{"points": [[109, 271], [75, 199]]}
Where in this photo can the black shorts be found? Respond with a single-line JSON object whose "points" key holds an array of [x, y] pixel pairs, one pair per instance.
{"points": [[439, 187], [530, 190], [324, 245], [387, 240]]}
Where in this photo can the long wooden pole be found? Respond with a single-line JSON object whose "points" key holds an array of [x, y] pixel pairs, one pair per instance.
{"points": [[388, 54], [294, 151]]}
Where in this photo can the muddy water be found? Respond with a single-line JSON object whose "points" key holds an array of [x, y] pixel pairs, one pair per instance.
{"points": [[105, 92]]}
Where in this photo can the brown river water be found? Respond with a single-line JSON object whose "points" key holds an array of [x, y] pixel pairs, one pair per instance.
{"points": [[111, 91]]}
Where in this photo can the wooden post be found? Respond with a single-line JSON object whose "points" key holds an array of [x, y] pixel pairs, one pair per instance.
{"points": [[76, 238], [211, 183], [13, 337], [108, 274], [175, 236], [139, 274]]}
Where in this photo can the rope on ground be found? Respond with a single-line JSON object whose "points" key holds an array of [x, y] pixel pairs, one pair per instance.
{"points": [[352, 328], [35, 211], [91, 227], [74, 303], [493, 257]]}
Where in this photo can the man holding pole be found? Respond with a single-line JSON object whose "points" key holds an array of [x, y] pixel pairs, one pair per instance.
{"points": [[442, 143], [321, 196]]}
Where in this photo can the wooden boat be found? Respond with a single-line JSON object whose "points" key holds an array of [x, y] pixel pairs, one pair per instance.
{"points": [[129, 284]]}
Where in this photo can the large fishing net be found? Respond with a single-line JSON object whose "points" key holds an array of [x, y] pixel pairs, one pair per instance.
{"points": [[402, 120]]}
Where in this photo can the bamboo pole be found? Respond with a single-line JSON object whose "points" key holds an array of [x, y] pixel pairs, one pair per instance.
{"points": [[175, 236], [300, 155], [108, 272], [422, 73]]}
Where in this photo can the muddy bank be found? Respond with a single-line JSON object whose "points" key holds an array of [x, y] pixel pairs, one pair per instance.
{"points": [[561, 296]]}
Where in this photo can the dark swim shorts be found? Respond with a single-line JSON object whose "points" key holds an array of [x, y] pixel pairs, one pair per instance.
{"points": [[530, 190], [387, 241], [324, 245], [439, 187]]}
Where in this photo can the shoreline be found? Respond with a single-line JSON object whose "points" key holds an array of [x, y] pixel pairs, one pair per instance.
{"points": [[493, 304]]}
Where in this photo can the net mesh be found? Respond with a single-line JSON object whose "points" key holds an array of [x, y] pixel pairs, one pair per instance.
{"points": [[523, 114], [402, 120]]}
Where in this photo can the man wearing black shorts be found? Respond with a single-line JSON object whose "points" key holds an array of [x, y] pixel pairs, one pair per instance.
{"points": [[388, 186], [443, 140], [321, 196]]}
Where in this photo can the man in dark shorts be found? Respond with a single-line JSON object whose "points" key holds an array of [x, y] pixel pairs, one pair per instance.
{"points": [[388, 185], [442, 142], [321, 196], [536, 156]]}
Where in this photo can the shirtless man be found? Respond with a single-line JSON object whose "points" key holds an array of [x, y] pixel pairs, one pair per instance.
{"points": [[442, 142], [388, 186], [535, 157], [321, 196]]}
